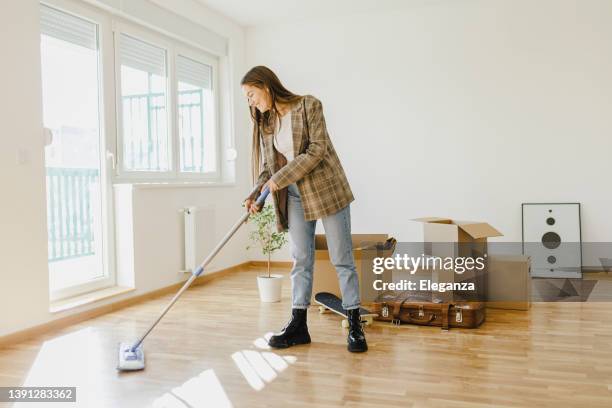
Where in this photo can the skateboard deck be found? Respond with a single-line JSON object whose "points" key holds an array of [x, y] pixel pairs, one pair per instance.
{"points": [[331, 302]]}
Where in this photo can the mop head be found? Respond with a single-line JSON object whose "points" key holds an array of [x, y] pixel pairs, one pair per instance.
{"points": [[130, 360]]}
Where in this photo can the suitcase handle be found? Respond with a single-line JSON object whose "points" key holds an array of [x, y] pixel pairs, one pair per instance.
{"points": [[415, 318]]}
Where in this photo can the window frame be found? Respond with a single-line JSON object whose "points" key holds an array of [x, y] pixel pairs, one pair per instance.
{"points": [[106, 125], [206, 59], [120, 28], [173, 48]]}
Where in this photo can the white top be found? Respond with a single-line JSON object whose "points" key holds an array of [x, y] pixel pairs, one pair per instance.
{"points": [[283, 139]]}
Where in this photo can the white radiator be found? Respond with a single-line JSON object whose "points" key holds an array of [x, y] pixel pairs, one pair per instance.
{"points": [[189, 214]]}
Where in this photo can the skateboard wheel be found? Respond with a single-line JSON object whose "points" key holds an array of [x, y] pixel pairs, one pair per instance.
{"points": [[322, 309], [368, 321], [345, 324]]}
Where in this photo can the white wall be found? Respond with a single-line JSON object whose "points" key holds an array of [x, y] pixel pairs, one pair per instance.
{"points": [[157, 222], [460, 108], [23, 238]]}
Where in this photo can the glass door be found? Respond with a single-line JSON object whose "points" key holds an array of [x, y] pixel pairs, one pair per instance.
{"points": [[76, 191]]}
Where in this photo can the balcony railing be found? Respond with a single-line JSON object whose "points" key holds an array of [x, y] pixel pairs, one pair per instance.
{"points": [[70, 215], [145, 131]]}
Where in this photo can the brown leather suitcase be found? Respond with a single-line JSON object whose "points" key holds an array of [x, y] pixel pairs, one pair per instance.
{"points": [[415, 307]]}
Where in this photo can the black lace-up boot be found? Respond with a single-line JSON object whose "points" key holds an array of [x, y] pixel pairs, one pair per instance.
{"points": [[356, 337], [295, 332]]}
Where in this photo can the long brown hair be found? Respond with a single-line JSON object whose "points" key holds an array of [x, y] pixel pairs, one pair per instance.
{"points": [[264, 78]]}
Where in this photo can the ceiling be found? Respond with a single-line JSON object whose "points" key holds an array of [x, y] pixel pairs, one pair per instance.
{"points": [[261, 12]]}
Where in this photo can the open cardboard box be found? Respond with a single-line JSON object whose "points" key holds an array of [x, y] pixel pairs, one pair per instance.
{"points": [[444, 237], [469, 236], [364, 251]]}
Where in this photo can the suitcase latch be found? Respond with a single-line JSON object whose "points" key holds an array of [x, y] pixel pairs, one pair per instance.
{"points": [[459, 316], [421, 311], [385, 311]]}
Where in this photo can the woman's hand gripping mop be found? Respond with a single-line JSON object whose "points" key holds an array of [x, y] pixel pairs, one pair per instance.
{"points": [[131, 355]]}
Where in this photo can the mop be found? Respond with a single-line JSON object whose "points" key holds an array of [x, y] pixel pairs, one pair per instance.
{"points": [[131, 355]]}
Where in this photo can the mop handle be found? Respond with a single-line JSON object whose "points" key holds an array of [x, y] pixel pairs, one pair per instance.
{"points": [[260, 201]]}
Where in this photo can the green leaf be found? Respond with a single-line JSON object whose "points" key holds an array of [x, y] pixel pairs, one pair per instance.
{"points": [[265, 235]]}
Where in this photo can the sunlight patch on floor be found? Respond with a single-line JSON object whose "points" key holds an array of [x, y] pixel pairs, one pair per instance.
{"points": [[205, 390], [72, 360], [261, 367]]}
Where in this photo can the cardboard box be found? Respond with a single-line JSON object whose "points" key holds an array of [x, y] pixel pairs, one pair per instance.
{"points": [[467, 236], [364, 250], [444, 238], [509, 282]]}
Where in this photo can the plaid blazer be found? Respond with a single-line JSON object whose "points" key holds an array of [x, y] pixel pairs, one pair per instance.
{"points": [[315, 169]]}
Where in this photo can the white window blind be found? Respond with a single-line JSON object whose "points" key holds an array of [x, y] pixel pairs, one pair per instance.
{"points": [[66, 27], [193, 72], [142, 56]]}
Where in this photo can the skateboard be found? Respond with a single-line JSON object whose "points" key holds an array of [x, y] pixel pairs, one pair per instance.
{"points": [[331, 302]]}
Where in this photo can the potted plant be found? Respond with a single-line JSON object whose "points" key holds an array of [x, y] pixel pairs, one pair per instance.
{"points": [[268, 240]]}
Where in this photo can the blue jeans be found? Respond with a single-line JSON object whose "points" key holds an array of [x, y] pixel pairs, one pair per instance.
{"points": [[301, 237]]}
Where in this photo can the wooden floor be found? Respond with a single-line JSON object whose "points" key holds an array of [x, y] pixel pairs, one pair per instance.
{"points": [[209, 352]]}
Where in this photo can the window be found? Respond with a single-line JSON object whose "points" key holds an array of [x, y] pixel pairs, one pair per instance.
{"points": [[168, 108], [195, 116], [113, 89], [143, 101]]}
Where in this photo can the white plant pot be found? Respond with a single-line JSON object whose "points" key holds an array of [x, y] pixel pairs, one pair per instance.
{"points": [[270, 288]]}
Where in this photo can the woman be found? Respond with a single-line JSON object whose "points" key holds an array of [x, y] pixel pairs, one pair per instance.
{"points": [[306, 179]]}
